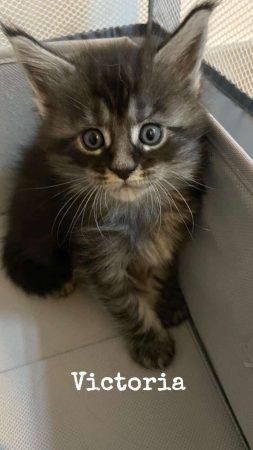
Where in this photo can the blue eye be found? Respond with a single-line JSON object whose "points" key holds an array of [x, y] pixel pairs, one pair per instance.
{"points": [[150, 134], [93, 139]]}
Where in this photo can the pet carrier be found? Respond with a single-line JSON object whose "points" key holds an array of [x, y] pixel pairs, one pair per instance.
{"points": [[42, 342]]}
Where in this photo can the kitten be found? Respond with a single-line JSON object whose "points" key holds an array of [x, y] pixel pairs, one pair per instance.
{"points": [[107, 192]]}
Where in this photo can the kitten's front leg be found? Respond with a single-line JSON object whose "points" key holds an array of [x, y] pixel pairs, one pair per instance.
{"points": [[151, 344], [171, 307], [132, 302]]}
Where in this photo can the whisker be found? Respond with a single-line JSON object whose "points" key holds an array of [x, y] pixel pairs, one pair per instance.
{"points": [[91, 209], [178, 210], [106, 204], [70, 201], [183, 198], [166, 194], [62, 208], [159, 203], [192, 180], [65, 214], [53, 185], [95, 211], [100, 202], [151, 198], [51, 198], [75, 218], [91, 192]]}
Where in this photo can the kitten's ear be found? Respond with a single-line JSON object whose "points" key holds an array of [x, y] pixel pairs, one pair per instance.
{"points": [[184, 51], [44, 68]]}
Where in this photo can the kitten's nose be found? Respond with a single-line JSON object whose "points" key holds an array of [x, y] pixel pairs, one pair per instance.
{"points": [[123, 173]]}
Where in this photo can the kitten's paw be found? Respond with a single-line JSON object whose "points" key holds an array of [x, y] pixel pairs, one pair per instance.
{"points": [[172, 315], [65, 290], [172, 310], [42, 277], [153, 350]]}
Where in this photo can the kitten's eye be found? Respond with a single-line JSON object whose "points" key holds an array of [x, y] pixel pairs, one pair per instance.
{"points": [[93, 139], [150, 134]]}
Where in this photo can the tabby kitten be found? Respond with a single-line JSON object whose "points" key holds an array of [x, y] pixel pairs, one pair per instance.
{"points": [[107, 192]]}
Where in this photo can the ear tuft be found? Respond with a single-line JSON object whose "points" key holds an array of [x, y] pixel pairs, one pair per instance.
{"points": [[11, 30], [184, 50], [208, 6], [43, 67]]}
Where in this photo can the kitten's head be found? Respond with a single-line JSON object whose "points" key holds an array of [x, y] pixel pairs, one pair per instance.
{"points": [[120, 116]]}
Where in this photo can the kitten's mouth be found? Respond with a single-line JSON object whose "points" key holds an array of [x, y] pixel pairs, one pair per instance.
{"points": [[128, 185], [127, 191]]}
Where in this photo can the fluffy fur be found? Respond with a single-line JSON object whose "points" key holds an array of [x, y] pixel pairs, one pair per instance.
{"points": [[117, 216]]}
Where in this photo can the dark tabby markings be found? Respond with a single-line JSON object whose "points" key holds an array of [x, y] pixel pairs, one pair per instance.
{"points": [[116, 218]]}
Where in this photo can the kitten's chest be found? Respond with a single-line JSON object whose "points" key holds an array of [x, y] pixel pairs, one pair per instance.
{"points": [[128, 239]]}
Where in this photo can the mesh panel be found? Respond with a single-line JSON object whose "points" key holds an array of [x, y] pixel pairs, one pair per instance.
{"points": [[54, 18], [230, 41], [166, 13]]}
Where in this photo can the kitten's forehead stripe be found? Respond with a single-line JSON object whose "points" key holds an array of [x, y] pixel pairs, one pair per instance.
{"points": [[112, 75], [132, 109], [105, 113]]}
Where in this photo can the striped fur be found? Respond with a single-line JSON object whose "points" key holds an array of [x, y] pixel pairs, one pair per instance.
{"points": [[73, 216]]}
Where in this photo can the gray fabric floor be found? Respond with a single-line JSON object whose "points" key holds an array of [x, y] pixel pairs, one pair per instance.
{"points": [[43, 341]]}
